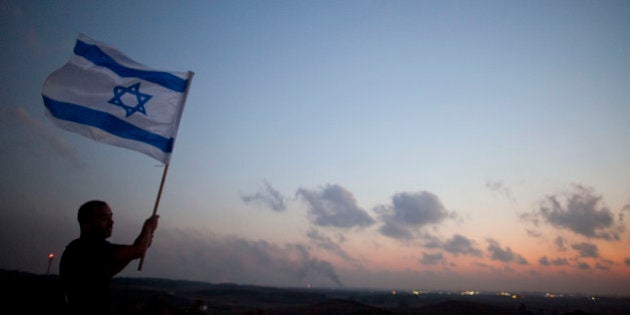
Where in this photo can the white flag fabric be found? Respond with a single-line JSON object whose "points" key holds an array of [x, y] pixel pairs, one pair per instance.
{"points": [[103, 95]]}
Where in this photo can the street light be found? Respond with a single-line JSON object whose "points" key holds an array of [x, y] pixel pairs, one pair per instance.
{"points": [[51, 257]]}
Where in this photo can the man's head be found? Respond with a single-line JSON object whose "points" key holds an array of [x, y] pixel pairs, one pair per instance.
{"points": [[95, 219]]}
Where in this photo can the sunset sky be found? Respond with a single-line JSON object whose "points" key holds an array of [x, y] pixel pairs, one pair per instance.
{"points": [[436, 145]]}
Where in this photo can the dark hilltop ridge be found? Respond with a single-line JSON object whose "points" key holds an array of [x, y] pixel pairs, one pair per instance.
{"points": [[28, 293]]}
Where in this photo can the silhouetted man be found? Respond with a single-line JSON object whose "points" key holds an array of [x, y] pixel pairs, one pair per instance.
{"points": [[89, 262]]}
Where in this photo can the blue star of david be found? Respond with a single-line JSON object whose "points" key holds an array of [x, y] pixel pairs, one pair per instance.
{"points": [[133, 89]]}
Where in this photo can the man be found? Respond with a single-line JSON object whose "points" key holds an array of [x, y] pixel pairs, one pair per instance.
{"points": [[89, 262]]}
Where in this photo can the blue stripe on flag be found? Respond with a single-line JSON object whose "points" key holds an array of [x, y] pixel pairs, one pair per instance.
{"points": [[110, 123], [100, 58]]}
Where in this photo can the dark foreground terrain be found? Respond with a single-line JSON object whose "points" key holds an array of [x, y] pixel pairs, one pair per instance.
{"points": [[28, 293]]}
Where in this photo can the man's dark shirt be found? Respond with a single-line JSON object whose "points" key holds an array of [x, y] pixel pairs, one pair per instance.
{"points": [[86, 270]]}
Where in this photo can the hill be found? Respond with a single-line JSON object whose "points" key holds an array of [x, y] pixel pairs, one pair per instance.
{"points": [[38, 294]]}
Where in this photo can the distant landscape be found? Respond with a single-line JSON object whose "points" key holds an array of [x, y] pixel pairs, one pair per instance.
{"points": [[29, 293]]}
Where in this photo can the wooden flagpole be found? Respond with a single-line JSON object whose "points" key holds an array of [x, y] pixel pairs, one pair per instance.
{"points": [[157, 203], [157, 200]]}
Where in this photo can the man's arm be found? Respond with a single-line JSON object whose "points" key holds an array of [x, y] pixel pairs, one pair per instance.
{"points": [[126, 253]]}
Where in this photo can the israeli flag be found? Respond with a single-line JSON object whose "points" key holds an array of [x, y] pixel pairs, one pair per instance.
{"points": [[103, 95]]}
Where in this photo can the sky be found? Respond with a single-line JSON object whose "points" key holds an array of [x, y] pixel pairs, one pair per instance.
{"points": [[427, 145]]}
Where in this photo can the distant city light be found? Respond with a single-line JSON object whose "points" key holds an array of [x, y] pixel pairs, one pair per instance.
{"points": [[469, 293], [553, 295]]}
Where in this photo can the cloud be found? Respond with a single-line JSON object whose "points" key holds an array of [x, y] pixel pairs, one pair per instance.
{"points": [[586, 249], [19, 130], [583, 266], [601, 266], [396, 230], [418, 209], [561, 243], [268, 197], [461, 245], [189, 254], [504, 255], [604, 264], [431, 259], [560, 262], [500, 188], [533, 233], [581, 212], [457, 245], [544, 261], [333, 205], [607, 261], [625, 209], [328, 244], [410, 211]]}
